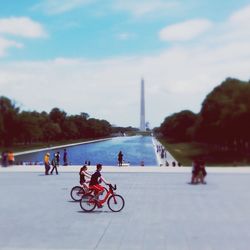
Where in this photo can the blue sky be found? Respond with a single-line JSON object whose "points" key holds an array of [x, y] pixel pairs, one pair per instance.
{"points": [[93, 54]]}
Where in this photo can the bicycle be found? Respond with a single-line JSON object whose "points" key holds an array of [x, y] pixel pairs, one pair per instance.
{"points": [[77, 192], [115, 201]]}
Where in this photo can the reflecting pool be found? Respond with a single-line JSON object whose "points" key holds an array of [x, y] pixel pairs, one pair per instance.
{"points": [[135, 149]]}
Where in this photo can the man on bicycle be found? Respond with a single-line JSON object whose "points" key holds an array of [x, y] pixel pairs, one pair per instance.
{"points": [[95, 181]]}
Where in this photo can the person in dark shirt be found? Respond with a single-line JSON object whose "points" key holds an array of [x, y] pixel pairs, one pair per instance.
{"points": [[54, 164], [57, 158], [95, 181], [65, 158], [120, 158]]}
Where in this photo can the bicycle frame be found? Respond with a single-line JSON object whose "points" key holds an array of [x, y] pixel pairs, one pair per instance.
{"points": [[109, 193]]}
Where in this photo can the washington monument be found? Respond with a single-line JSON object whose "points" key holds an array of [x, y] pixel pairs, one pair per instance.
{"points": [[142, 115]]}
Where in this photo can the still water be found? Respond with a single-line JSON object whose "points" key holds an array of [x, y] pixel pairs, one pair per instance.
{"points": [[135, 149]]}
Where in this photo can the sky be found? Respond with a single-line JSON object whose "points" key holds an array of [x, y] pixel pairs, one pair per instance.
{"points": [[90, 55]]}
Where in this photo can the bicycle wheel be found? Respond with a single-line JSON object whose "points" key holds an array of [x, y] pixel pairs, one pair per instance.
{"points": [[116, 203], [76, 193], [87, 203]]}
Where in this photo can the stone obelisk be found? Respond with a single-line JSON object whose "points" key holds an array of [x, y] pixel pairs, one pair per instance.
{"points": [[142, 115]]}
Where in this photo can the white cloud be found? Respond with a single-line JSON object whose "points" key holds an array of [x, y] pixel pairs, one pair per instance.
{"points": [[22, 26], [185, 31], [142, 7], [61, 6], [177, 78], [241, 16], [5, 44]]}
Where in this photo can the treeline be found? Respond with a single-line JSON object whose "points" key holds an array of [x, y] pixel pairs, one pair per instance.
{"points": [[224, 119], [28, 127]]}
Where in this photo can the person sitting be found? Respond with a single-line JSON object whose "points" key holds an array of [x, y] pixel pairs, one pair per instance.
{"points": [[202, 172], [198, 172], [95, 181], [83, 175]]}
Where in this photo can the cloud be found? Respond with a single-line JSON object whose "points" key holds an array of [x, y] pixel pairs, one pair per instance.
{"points": [[185, 31], [54, 7], [177, 78], [22, 26], [5, 44], [143, 7], [241, 16]]}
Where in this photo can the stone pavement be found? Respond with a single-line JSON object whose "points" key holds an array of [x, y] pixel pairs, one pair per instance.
{"points": [[162, 211]]}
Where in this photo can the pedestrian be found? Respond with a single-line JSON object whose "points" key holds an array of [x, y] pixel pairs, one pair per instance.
{"points": [[120, 158], [4, 159], [54, 164], [47, 163], [57, 158], [11, 158], [65, 158]]}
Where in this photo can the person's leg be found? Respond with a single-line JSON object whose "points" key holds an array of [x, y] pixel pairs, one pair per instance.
{"points": [[47, 169], [51, 172]]}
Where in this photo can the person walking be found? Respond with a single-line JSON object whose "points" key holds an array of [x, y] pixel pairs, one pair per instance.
{"points": [[11, 158], [120, 158], [54, 164], [47, 163], [57, 158]]}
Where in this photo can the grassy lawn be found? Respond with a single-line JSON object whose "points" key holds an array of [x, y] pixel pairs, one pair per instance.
{"points": [[186, 152]]}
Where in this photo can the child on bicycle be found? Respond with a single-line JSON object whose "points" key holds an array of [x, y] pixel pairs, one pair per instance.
{"points": [[83, 175], [95, 181]]}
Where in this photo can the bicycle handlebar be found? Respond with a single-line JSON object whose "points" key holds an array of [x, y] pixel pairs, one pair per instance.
{"points": [[112, 187]]}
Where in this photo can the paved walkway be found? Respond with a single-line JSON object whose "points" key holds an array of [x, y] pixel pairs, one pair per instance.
{"points": [[125, 169], [167, 158], [162, 212]]}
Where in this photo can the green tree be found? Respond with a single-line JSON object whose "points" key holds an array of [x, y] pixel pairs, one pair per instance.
{"points": [[177, 126], [8, 121]]}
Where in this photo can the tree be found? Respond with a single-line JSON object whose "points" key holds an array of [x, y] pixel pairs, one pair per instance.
{"points": [[178, 125], [8, 121]]}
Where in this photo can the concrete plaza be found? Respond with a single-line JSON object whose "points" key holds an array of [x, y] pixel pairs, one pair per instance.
{"points": [[162, 211]]}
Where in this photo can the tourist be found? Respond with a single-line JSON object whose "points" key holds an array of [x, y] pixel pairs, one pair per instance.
{"points": [[203, 172], [83, 175], [120, 158], [47, 163], [11, 158], [97, 178], [57, 158], [4, 159], [54, 164], [198, 172], [65, 158]]}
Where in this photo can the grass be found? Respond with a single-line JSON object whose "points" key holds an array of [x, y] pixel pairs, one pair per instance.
{"points": [[186, 152]]}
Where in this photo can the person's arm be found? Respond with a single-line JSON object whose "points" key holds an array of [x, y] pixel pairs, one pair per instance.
{"points": [[88, 175], [102, 179]]}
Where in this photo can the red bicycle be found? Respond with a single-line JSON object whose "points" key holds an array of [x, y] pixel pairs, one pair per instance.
{"points": [[115, 201], [77, 192]]}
